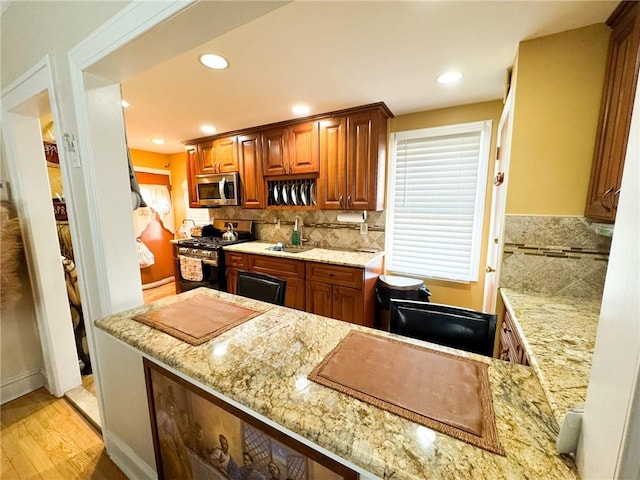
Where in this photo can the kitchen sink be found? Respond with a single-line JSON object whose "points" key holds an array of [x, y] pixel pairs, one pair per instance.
{"points": [[291, 248]]}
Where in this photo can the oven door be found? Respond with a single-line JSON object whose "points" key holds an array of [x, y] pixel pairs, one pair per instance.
{"points": [[212, 276]]}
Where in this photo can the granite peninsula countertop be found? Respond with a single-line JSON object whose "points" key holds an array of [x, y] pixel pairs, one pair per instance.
{"points": [[349, 258], [559, 335], [265, 369]]}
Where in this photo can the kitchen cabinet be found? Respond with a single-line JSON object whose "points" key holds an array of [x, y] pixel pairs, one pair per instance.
{"points": [[615, 112], [219, 155], [290, 270], [291, 150], [336, 291], [192, 169], [342, 151], [511, 345], [353, 153], [345, 293], [250, 152]]}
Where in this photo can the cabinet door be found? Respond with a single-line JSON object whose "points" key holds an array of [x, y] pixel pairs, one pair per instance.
{"points": [[225, 154], [251, 171], [206, 162], [192, 163], [348, 305], [333, 148], [295, 294], [232, 280], [319, 298], [362, 160], [615, 112], [303, 152], [274, 152]]}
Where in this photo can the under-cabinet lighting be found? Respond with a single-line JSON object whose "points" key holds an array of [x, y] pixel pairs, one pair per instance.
{"points": [[449, 77], [214, 61], [208, 129], [158, 141]]}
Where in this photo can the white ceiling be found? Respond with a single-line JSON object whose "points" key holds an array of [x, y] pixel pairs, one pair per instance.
{"points": [[334, 55]]}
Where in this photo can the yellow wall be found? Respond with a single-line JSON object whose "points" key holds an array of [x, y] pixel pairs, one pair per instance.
{"points": [[467, 295], [177, 162], [558, 89]]}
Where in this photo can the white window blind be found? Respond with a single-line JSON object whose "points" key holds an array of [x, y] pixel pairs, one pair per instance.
{"points": [[436, 201]]}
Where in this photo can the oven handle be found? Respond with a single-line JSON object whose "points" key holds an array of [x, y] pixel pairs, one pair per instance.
{"points": [[206, 261]]}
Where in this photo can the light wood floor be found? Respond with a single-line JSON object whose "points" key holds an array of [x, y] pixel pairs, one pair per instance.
{"points": [[153, 294], [43, 437]]}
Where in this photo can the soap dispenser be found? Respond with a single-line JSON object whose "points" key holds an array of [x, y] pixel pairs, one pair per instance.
{"points": [[295, 236]]}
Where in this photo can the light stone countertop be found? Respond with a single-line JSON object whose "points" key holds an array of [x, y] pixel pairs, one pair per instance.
{"points": [[265, 367], [321, 255], [559, 335]]}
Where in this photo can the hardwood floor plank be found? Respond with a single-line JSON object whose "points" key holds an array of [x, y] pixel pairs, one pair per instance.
{"points": [[43, 437]]}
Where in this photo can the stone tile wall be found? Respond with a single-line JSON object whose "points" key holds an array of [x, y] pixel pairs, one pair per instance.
{"points": [[554, 255], [319, 227]]}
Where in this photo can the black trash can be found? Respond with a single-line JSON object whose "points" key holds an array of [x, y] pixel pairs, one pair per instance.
{"points": [[391, 286]]}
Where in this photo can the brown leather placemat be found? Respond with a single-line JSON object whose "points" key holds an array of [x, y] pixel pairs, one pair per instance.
{"points": [[197, 319], [449, 394]]}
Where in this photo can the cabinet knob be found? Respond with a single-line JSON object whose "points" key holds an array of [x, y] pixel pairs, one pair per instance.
{"points": [[328, 292], [340, 200], [290, 170], [489, 269], [349, 202]]}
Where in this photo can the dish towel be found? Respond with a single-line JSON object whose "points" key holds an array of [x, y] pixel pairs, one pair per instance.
{"points": [[191, 268]]}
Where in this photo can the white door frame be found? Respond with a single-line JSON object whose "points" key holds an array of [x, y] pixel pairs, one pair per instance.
{"points": [[495, 242], [22, 141]]}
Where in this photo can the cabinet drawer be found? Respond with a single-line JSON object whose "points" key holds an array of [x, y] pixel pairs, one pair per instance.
{"points": [[276, 266], [236, 260], [335, 274]]}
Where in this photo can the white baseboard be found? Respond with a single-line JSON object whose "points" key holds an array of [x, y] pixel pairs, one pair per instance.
{"points": [[127, 460], [20, 385]]}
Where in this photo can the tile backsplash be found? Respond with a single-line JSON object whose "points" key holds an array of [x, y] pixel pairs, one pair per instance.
{"points": [[554, 255], [319, 227]]}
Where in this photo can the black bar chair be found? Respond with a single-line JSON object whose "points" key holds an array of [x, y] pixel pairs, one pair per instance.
{"points": [[261, 287], [447, 325]]}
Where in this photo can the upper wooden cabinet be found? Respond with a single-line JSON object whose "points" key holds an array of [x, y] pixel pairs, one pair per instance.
{"points": [[192, 163], [291, 150], [615, 112], [219, 155], [352, 160], [344, 150], [250, 150]]}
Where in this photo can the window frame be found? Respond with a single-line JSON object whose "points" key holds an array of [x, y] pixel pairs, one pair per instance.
{"points": [[484, 127]]}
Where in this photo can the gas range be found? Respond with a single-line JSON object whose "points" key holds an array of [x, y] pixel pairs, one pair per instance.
{"points": [[207, 249]]}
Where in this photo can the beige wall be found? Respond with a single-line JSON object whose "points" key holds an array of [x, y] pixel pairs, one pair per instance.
{"points": [[467, 295], [558, 89]]}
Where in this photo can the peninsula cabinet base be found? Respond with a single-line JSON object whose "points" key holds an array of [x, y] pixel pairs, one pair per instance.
{"points": [[199, 436]]}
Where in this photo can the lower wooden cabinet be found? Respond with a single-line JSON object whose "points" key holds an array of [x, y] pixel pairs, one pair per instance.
{"points": [[290, 270], [336, 291], [511, 345], [335, 301]]}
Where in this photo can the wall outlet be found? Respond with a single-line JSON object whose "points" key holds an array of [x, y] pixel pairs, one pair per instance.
{"points": [[364, 228]]}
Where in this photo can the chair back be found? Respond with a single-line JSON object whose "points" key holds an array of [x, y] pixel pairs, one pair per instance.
{"points": [[261, 287], [447, 325]]}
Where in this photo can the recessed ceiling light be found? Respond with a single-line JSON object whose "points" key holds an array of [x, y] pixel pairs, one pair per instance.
{"points": [[300, 109], [449, 77], [125, 104], [208, 129], [157, 141], [214, 61]]}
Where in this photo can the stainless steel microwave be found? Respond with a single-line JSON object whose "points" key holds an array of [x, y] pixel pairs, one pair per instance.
{"points": [[218, 189]]}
